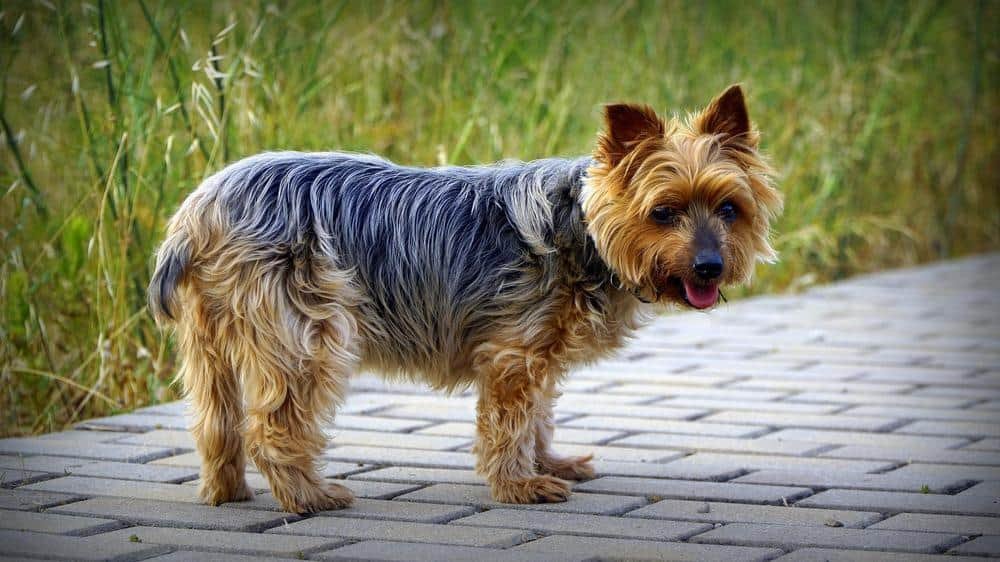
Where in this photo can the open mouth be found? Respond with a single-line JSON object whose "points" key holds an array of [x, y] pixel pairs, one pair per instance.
{"points": [[700, 295]]}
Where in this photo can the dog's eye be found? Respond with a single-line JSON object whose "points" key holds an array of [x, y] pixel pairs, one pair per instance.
{"points": [[727, 211], [663, 215]]}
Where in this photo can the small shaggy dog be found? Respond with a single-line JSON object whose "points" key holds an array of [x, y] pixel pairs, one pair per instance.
{"points": [[287, 272]]}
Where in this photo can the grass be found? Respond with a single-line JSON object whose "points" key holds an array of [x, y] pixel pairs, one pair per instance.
{"points": [[879, 116]]}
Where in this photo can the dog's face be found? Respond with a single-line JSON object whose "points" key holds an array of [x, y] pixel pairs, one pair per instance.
{"points": [[678, 209]]}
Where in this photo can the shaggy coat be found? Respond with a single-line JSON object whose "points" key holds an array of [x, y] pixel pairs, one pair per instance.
{"points": [[287, 272]]}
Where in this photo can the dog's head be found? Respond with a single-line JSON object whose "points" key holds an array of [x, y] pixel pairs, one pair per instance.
{"points": [[677, 209]]}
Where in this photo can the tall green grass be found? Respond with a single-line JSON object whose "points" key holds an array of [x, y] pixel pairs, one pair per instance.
{"points": [[880, 117]]}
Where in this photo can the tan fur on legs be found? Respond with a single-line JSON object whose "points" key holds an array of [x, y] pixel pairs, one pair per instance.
{"points": [[217, 410], [511, 395], [295, 374], [546, 460]]}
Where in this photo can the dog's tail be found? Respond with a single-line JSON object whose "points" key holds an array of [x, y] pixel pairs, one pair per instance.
{"points": [[172, 262]]}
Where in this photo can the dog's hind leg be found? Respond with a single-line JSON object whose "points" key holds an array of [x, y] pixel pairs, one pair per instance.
{"points": [[213, 389], [296, 360]]}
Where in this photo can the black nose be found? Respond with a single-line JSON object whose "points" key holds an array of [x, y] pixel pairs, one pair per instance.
{"points": [[708, 264]]}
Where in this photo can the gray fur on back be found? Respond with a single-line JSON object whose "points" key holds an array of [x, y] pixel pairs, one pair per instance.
{"points": [[441, 255]]}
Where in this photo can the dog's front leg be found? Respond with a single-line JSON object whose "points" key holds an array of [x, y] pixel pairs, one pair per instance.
{"points": [[510, 398], [547, 460]]}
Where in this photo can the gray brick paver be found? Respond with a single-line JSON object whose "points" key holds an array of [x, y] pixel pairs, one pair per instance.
{"points": [[933, 522], [790, 537], [846, 555], [894, 502], [368, 529], [98, 547], [54, 523], [225, 541], [174, 514], [980, 546], [31, 500], [389, 551], [680, 489], [479, 496], [725, 512], [599, 548], [581, 524]]}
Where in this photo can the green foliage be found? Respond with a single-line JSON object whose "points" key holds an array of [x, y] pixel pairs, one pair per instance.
{"points": [[880, 118]]}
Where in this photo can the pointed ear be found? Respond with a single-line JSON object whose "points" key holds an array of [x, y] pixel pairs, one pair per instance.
{"points": [[727, 115], [626, 125]]}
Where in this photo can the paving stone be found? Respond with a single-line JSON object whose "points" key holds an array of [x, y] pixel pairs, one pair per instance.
{"points": [[44, 463], [823, 386], [936, 523], [370, 529], [329, 469], [479, 496], [173, 438], [905, 482], [834, 421], [984, 444], [40, 545], [225, 541], [599, 548], [119, 488], [897, 502], [878, 400], [187, 556], [389, 551], [838, 555], [417, 475], [668, 470], [724, 512], [176, 514], [964, 429], [52, 523], [962, 473], [30, 500], [361, 489], [82, 436], [134, 471], [581, 524], [981, 546], [136, 423], [891, 440], [97, 451], [376, 455], [562, 434], [750, 405], [632, 411], [790, 537], [914, 454], [617, 453], [376, 423], [722, 444], [13, 477], [398, 440], [735, 461], [401, 511], [728, 393], [915, 413], [681, 489], [666, 426]]}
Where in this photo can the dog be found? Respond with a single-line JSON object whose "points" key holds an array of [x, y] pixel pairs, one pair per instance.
{"points": [[286, 272]]}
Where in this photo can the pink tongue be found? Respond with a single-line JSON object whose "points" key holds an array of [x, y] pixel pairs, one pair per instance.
{"points": [[701, 296]]}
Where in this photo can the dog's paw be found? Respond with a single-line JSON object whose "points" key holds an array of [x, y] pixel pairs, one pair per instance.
{"points": [[570, 468], [218, 493], [328, 496], [537, 489]]}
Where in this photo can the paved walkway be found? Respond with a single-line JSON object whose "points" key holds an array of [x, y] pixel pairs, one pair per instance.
{"points": [[859, 421]]}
